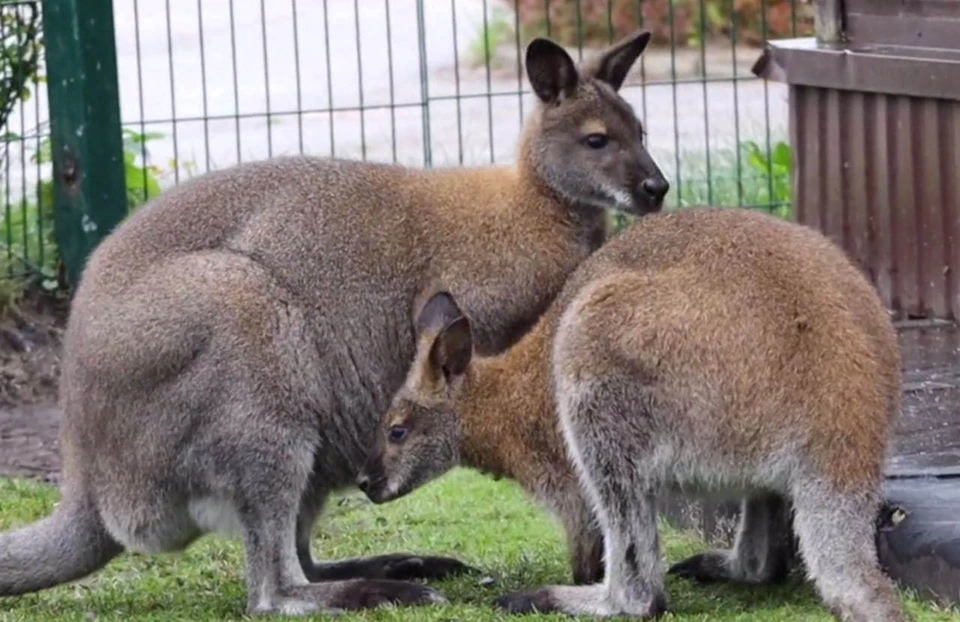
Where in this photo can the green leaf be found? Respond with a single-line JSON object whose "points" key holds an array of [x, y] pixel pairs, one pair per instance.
{"points": [[782, 156]]}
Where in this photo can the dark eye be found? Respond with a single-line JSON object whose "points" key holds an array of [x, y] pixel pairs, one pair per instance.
{"points": [[397, 433], [597, 141]]}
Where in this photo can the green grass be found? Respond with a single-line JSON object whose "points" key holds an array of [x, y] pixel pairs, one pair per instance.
{"points": [[489, 524]]}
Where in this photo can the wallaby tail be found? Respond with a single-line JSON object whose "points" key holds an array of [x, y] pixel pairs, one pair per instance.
{"points": [[67, 545]]}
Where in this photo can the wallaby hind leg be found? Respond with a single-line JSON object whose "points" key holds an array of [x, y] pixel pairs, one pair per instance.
{"points": [[267, 498], [584, 543], [400, 566], [762, 552], [614, 475], [836, 533]]}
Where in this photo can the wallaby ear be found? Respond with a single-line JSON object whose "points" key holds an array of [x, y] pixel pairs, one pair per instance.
{"points": [[613, 64], [551, 71], [437, 312], [452, 349]]}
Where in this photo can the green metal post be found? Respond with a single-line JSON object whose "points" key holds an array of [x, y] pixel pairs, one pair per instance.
{"points": [[85, 135]]}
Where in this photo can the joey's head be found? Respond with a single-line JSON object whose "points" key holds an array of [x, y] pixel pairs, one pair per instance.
{"points": [[419, 437], [584, 140]]}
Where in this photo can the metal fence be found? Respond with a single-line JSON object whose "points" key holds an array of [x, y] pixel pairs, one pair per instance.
{"points": [[26, 236], [204, 84]]}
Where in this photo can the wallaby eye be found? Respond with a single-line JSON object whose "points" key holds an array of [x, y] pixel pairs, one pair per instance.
{"points": [[597, 141], [397, 433]]}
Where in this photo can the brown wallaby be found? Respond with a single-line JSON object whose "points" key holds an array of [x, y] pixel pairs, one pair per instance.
{"points": [[232, 346], [711, 350]]}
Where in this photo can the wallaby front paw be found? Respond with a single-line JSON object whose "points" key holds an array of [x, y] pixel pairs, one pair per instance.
{"points": [[367, 594], [534, 601], [409, 567]]}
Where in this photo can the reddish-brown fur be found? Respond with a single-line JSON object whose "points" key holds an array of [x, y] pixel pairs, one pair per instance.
{"points": [[711, 348]]}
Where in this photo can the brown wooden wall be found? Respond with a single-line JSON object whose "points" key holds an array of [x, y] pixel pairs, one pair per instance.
{"points": [[880, 174], [921, 23]]}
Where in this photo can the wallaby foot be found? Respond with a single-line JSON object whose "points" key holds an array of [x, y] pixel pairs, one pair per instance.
{"points": [[761, 554], [399, 566], [836, 533], [275, 519], [276, 582], [624, 500], [591, 600], [339, 596]]}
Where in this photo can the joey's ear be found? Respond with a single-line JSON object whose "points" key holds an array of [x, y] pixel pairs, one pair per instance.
{"points": [[439, 310], [613, 64], [550, 70], [452, 349]]}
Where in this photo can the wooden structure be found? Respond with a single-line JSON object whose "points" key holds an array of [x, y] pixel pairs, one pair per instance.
{"points": [[875, 128], [875, 133]]}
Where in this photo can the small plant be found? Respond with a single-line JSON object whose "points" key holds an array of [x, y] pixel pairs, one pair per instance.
{"points": [[774, 171], [494, 32], [143, 178], [741, 177]]}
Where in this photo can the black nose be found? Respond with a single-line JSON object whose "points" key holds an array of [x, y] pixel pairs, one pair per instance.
{"points": [[656, 187], [363, 482]]}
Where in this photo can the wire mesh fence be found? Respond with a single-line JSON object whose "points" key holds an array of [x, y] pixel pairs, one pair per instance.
{"points": [[26, 234], [205, 84]]}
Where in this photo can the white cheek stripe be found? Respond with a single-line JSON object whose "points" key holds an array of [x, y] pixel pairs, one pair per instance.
{"points": [[621, 197]]}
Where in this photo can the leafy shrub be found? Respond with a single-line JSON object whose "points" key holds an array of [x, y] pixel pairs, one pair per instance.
{"points": [[595, 22], [21, 53]]}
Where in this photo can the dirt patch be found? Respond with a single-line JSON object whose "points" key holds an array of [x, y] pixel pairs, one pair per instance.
{"points": [[31, 332]]}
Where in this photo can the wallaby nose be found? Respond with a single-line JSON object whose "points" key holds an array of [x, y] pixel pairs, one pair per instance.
{"points": [[656, 187], [363, 482]]}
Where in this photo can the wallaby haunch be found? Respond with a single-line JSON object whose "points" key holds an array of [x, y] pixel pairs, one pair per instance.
{"points": [[232, 346], [714, 350]]}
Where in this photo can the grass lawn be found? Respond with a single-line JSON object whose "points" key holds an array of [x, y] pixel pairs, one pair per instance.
{"points": [[488, 524]]}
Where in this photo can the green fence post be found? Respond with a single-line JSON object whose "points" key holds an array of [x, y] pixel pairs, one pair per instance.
{"points": [[85, 135]]}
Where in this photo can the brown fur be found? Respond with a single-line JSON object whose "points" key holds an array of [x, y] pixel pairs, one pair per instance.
{"points": [[711, 349], [231, 346]]}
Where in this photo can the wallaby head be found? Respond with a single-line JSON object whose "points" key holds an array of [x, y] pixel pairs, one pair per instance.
{"points": [[419, 436], [584, 140]]}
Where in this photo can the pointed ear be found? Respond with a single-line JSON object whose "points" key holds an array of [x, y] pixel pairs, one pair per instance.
{"points": [[437, 312], [613, 64], [550, 70], [452, 349]]}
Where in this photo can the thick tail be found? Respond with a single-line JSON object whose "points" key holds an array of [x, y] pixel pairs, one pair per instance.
{"points": [[67, 545]]}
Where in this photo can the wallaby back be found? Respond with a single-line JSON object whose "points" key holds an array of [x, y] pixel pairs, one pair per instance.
{"points": [[757, 332]]}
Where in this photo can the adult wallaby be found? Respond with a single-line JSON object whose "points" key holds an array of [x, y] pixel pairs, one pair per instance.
{"points": [[708, 349], [232, 346]]}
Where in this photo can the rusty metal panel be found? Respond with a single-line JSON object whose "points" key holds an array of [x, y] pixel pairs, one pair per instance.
{"points": [[880, 175]]}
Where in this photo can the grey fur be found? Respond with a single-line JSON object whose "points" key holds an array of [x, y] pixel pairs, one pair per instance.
{"points": [[232, 345]]}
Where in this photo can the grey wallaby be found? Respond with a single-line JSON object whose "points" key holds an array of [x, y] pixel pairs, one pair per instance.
{"points": [[232, 345], [712, 350]]}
